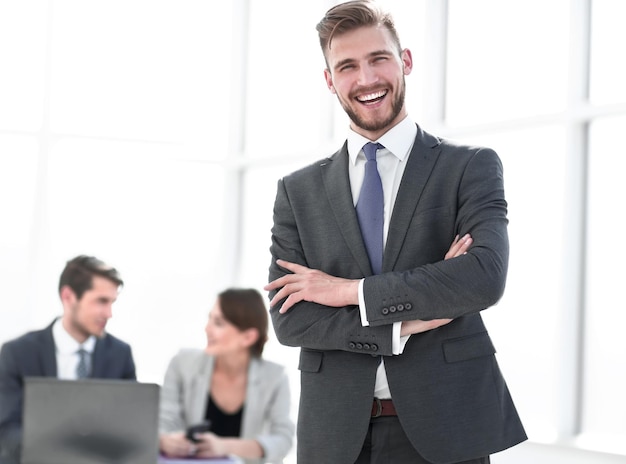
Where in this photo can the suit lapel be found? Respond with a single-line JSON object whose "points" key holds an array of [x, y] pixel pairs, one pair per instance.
{"points": [[419, 166], [99, 359], [199, 385], [48, 353], [253, 408], [337, 186]]}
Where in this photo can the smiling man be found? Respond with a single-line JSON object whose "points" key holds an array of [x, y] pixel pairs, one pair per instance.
{"points": [[383, 257], [74, 346]]}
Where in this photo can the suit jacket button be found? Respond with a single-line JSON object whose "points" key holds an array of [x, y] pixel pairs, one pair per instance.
{"points": [[352, 345], [385, 311], [374, 347], [392, 309], [359, 346], [400, 307], [366, 346], [408, 306]]}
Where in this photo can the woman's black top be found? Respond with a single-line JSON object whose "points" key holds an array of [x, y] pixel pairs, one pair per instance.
{"points": [[223, 424]]}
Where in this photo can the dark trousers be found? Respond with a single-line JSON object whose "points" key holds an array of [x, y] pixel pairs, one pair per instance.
{"points": [[386, 443]]}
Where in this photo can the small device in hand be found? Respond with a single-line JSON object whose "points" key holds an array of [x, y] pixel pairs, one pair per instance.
{"points": [[198, 428]]}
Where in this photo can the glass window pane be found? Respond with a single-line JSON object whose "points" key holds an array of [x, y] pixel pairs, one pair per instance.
{"points": [[18, 187], [142, 70], [605, 347], [257, 215], [608, 37], [506, 59], [287, 95], [22, 63], [18, 191]]}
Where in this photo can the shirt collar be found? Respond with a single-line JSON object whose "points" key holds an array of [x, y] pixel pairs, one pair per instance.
{"points": [[398, 140], [65, 343]]}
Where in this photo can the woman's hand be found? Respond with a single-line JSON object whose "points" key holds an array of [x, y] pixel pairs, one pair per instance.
{"points": [[176, 445], [211, 445]]}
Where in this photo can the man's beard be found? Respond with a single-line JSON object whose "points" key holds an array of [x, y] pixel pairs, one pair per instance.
{"points": [[375, 126], [80, 327]]}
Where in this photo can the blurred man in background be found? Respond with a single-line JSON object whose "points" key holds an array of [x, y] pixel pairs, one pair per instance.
{"points": [[73, 346]]}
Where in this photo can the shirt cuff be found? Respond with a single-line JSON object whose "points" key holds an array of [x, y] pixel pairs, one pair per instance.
{"points": [[364, 321], [397, 342]]}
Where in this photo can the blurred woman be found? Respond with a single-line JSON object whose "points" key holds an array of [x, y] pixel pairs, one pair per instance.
{"points": [[245, 398]]}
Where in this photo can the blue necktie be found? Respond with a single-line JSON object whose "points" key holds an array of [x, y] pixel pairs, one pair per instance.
{"points": [[370, 208], [82, 370]]}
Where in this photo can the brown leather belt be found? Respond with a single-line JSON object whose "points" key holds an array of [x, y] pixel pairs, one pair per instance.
{"points": [[383, 408]]}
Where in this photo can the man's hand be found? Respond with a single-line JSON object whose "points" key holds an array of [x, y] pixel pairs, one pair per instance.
{"points": [[459, 246], [312, 285], [419, 326]]}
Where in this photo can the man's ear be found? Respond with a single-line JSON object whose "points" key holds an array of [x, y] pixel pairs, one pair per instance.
{"points": [[407, 61], [329, 80], [67, 295]]}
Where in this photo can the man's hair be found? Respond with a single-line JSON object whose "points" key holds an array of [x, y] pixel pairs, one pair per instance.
{"points": [[245, 309], [352, 15], [79, 272]]}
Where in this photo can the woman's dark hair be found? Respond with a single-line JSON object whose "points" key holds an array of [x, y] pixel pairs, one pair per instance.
{"points": [[245, 309], [352, 15], [79, 272]]}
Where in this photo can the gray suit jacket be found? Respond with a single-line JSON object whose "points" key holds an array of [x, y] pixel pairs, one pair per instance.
{"points": [[266, 418], [33, 355], [451, 398]]}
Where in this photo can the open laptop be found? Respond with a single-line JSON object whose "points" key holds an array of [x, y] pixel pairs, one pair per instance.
{"points": [[90, 421]]}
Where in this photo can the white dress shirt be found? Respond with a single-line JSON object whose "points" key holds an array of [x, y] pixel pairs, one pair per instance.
{"points": [[67, 351], [391, 162]]}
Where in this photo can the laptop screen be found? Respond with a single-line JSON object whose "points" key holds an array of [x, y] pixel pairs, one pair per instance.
{"points": [[90, 421]]}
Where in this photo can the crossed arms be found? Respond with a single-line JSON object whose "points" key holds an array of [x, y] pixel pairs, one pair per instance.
{"points": [[315, 286]]}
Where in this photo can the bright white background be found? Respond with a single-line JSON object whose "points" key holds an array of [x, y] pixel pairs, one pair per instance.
{"points": [[152, 133]]}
